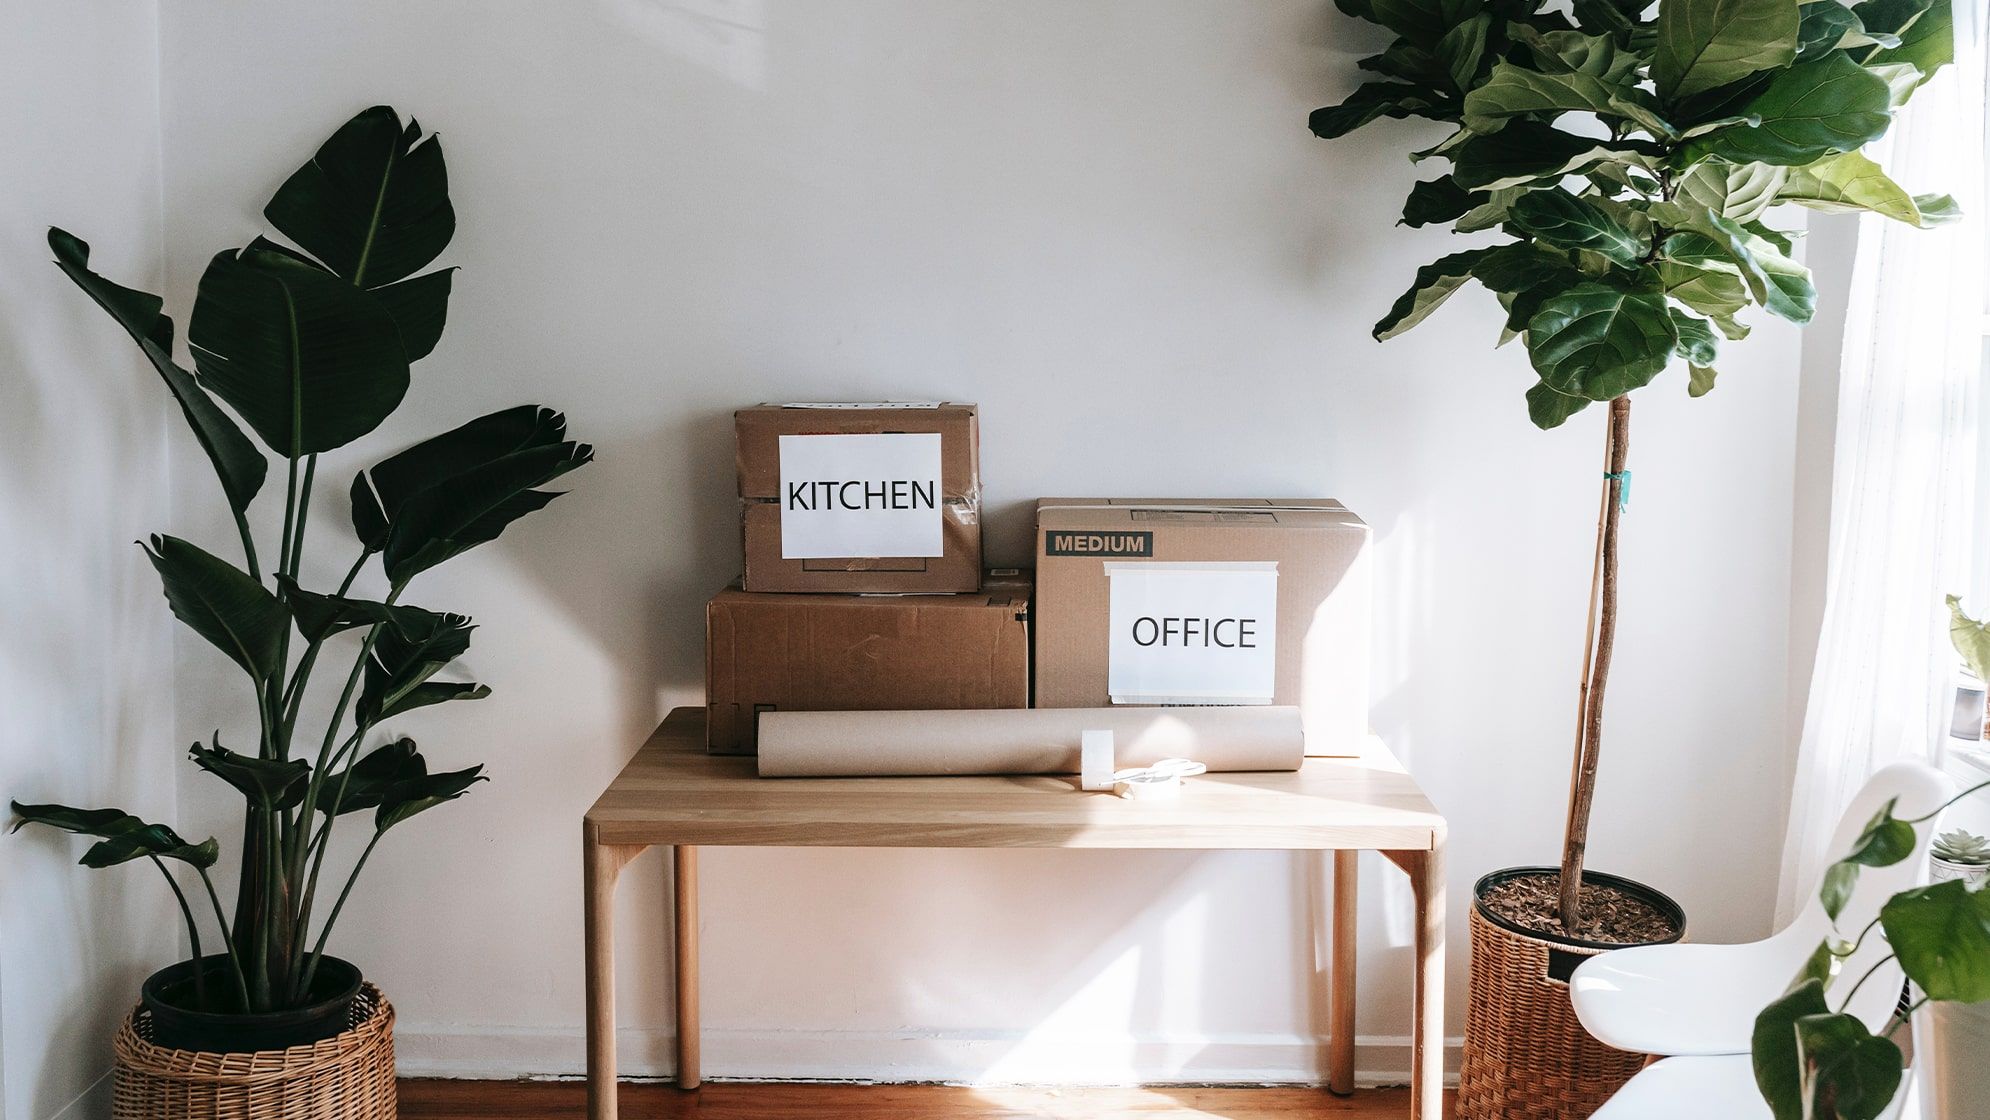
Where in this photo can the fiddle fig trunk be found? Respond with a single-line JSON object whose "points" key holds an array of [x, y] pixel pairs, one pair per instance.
{"points": [[1599, 644]]}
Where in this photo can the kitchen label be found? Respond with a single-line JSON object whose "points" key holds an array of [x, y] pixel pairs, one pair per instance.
{"points": [[860, 496], [1192, 633]]}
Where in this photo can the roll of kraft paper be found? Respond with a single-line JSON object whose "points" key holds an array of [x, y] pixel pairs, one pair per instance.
{"points": [[1022, 741]]}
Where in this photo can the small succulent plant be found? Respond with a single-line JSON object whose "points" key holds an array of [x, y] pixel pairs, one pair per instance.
{"points": [[1963, 847]]}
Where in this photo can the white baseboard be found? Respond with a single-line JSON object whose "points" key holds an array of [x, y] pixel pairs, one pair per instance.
{"points": [[993, 1057]]}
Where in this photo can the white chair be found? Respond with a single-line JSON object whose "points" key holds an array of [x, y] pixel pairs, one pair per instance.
{"points": [[1697, 1004], [1689, 999]]}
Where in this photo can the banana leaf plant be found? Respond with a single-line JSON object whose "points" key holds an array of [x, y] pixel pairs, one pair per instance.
{"points": [[1814, 1061], [1623, 160], [310, 344]]}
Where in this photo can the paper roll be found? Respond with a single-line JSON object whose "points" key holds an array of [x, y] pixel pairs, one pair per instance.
{"points": [[1023, 740]]}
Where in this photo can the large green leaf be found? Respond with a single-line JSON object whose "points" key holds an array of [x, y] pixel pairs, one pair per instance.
{"points": [[1926, 31], [237, 463], [419, 795], [270, 784], [1884, 841], [1792, 295], [1434, 284], [1845, 1067], [320, 616], [1850, 181], [1807, 112], [1371, 100], [1436, 201], [460, 489], [1601, 340], [1463, 48], [1697, 343], [1716, 292], [1941, 934], [373, 203], [400, 665], [1567, 221], [365, 783], [223, 604], [1738, 192], [1970, 638], [310, 361], [1548, 408], [123, 837], [1705, 44], [1512, 90]]}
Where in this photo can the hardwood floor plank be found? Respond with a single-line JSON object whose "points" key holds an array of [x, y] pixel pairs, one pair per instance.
{"points": [[556, 1100]]}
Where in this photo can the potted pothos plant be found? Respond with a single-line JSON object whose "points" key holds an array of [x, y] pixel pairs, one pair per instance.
{"points": [[310, 345], [1813, 1059], [1622, 160]]}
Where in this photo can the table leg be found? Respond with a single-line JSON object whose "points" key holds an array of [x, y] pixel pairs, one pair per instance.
{"points": [[1427, 1048], [602, 865], [686, 887], [1340, 1009]]}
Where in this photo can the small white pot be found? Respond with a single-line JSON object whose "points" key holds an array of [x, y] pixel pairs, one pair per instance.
{"points": [[1973, 876]]}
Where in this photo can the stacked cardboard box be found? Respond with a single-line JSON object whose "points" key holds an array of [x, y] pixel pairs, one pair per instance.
{"points": [[863, 588]]}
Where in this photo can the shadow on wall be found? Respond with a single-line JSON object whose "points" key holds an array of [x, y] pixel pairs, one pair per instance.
{"points": [[725, 37]]}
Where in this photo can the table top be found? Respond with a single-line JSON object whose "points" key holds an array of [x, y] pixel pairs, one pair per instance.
{"points": [[673, 792]]}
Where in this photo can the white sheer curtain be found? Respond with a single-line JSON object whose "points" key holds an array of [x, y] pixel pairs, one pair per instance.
{"points": [[1904, 470]]}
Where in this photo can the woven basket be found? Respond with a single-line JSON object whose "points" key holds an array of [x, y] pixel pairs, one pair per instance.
{"points": [[346, 1077], [1526, 1056]]}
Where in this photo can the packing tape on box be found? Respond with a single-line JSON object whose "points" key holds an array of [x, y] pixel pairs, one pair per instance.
{"points": [[1023, 740]]}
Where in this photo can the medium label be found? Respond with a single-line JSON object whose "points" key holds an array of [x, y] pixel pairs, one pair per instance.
{"points": [[860, 496], [1192, 633], [1079, 542]]}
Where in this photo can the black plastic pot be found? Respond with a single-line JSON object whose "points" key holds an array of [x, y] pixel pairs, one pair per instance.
{"points": [[168, 991], [1560, 964]]}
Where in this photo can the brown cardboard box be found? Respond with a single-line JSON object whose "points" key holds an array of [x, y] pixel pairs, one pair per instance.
{"points": [[772, 566], [863, 652], [1320, 632]]}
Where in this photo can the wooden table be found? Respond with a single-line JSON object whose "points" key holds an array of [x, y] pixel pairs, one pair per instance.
{"points": [[674, 794]]}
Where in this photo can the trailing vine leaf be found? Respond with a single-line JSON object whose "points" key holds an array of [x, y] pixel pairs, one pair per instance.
{"points": [[1706, 44], [1941, 933], [1600, 340], [1846, 1069]]}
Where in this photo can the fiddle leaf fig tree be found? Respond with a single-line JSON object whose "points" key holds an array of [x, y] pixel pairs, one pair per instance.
{"points": [[311, 345], [1623, 160]]}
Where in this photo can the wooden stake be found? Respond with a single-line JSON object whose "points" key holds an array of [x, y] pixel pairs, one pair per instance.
{"points": [[1598, 643]]}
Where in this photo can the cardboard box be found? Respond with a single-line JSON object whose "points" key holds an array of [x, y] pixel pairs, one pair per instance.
{"points": [[862, 653], [1206, 601], [889, 502]]}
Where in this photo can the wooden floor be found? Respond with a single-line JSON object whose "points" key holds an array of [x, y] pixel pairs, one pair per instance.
{"points": [[542, 1100]]}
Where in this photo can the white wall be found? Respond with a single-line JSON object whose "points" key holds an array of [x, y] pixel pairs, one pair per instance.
{"points": [[85, 656], [1108, 225]]}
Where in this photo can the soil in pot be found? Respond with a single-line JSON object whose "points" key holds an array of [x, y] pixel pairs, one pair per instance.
{"points": [[1611, 915], [179, 1023]]}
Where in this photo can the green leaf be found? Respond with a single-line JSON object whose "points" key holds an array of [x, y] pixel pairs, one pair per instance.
{"points": [[1850, 182], [1371, 100], [422, 794], [1941, 934], [311, 362], [1601, 340], [1823, 26], [1434, 284], [1573, 52], [369, 781], [1409, 62], [1926, 32], [1697, 343], [1701, 380], [462, 488], [1436, 201], [237, 463], [401, 663], [1738, 192], [1791, 293], [1807, 112], [223, 604], [124, 837], [1774, 1050], [1566, 221], [1549, 409], [1716, 292], [1846, 1069], [373, 203], [320, 616], [1822, 965], [1884, 841], [269, 784], [369, 521], [1705, 44], [1970, 638], [1512, 90], [1724, 236], [1463, 47], [1836, 890]]}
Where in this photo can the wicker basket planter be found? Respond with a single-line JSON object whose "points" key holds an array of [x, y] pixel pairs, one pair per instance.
{"points": [[1526, 1055], [349, 1076]]}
